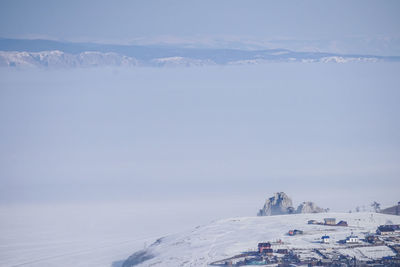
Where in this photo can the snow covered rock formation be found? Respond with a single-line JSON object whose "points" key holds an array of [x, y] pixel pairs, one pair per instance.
{"points": [[309, 207], [279, 204]]}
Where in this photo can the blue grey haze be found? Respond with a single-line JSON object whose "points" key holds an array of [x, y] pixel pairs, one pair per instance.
{"points": [[317, 131]]}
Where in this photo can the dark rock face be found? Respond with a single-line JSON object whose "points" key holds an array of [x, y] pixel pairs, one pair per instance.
{"points": [[138, 258], [279, 204]]}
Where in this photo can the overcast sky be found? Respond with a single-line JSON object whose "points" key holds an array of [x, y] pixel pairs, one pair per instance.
{"points": [[338, 26]]}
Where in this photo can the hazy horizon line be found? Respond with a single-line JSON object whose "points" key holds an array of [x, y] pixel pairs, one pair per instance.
{"points": [[245, 43]]}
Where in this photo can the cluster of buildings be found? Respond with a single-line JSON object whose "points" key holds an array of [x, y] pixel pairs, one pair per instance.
{"points": [[339, 260], [388, 229], [265, 249], [325, 256], [382, 230], [265, 255], [351, 239], [329, 221]]}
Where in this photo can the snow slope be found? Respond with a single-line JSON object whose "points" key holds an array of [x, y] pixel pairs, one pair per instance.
{"points": [[99, 234], [226, 238], [105, 235], [68, 235]]}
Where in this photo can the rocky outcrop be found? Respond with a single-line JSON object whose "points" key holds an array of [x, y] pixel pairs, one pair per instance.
{"points": [[279, 204], [309, 207], [138, 258]]}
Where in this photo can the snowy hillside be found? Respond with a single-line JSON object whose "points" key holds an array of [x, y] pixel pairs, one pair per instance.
{"points": [[225, 238]]}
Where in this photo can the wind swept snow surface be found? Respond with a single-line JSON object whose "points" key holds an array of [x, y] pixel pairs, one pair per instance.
{"points": [[85, 235]]}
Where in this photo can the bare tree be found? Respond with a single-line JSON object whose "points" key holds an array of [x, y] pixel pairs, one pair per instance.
{"points": [[376, 206], [357, 209]]}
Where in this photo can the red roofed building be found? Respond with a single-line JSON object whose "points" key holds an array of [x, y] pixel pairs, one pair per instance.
{"points": [[263, 246]]}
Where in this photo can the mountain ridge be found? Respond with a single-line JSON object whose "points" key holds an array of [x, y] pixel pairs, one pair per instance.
{"points": [[33, 52]]}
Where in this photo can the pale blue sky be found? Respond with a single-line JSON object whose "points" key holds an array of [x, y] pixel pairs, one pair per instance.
{"points": [[337, 26]]}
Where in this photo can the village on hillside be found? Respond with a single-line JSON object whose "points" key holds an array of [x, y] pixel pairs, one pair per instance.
{"points": [[330, 252], [379, 248]]}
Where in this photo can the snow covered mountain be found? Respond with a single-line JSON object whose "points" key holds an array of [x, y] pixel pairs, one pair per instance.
{"points": [[60, 59], [46, 53], [229, 237]]}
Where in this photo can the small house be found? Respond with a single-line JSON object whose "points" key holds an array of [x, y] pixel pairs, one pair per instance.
{"points": [[263, 246], [396, 227], [342, 223], [330, 221], [325, 239], [282, 251], [295, 232], [268, 251], [352, 239], [326, 262], [373, 239], [385, 230]]}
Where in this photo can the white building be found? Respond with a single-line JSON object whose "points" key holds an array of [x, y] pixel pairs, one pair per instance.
{"points": [[352, 239], [325, 239]]}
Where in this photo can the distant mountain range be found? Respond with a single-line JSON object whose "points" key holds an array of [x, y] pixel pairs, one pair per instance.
{"points": [[57, 54]]}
